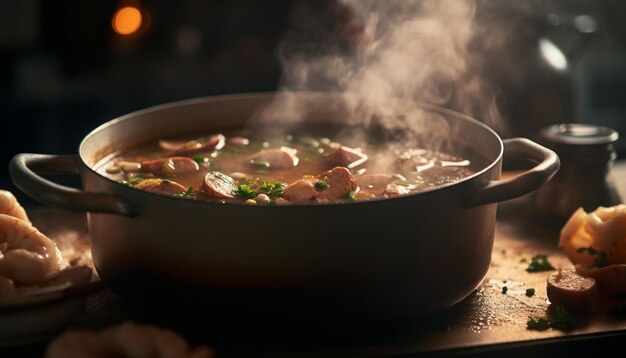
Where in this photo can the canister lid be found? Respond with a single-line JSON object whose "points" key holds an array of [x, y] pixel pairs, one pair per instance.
{"points": [[579, 134]]}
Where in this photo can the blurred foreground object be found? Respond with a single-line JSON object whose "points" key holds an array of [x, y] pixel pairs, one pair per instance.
{"points": [[124, 340]]}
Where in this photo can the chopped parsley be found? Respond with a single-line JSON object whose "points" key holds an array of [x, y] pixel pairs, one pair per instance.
{"points": [[200, 159], [560, 320], [539, 263], [539, 324], [530, 292], [349, 196], [602, 260], [165, 181], [187, 193], [135, 181], [321, 185], [504, 289], [272, 190], [244, 191]]}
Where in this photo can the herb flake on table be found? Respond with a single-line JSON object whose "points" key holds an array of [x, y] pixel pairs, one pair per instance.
{"points": [[539, 263], [530, 292], [561, 319]]}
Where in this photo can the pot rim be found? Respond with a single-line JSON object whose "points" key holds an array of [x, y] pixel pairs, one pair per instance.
{"points": [[252, 95]]}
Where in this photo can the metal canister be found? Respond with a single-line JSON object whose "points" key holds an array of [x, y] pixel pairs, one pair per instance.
{"points": [[587, 153]]}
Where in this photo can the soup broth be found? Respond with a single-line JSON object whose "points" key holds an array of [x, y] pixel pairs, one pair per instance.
{"points": [[282, 170]]}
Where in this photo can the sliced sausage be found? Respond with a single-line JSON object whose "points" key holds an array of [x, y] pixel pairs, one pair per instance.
{"points": [[173, 165], [346, 157], [282, 158], [373, 184], [611, 279], [301, 190], [339, 180], [574, 292], [218, 185], [160, 186], [216, 142]]}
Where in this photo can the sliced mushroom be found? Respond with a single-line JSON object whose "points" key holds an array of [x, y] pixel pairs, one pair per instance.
{"points": [[282, 158], [173, 165], [346, 157], [218, 185], [216, 142], [574, 292], [161, 186]]}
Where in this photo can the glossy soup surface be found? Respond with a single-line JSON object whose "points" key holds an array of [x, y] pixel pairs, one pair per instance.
{"points": [[282, 170]]}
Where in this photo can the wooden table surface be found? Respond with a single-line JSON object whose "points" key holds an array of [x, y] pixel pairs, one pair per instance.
{"points": [[487, 322]]}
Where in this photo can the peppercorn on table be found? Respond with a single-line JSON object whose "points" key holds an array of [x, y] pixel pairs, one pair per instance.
{"points": [[493, 320]]}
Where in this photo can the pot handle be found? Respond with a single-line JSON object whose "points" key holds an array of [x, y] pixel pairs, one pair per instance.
{"points": [[24, 169], [521, 148]]}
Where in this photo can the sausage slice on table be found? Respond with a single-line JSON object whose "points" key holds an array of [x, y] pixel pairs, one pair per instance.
{"points": [[574, 292]]}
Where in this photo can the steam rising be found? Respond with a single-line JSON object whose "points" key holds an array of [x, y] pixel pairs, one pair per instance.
{"points": [[384, 57]]}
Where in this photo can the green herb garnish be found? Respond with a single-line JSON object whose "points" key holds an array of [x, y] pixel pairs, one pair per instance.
{"points": [[321, 185], [245, 191], [530, 292], [602, 260], [187, 193], [539, 263], [272, 190], [349, 195], [504, 289], [165, 181], [560, 320], [200, 159], [135, 181], [540, 324], [563, 319]]}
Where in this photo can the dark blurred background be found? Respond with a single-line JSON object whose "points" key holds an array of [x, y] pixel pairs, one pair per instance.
{"points": [[67, 66]]}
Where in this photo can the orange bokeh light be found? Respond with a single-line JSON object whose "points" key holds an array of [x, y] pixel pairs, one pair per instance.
{"points": [[126, 20]]}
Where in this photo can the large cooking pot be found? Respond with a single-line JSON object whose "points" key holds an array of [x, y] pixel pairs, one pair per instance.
{"points": [[400, 257]]}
